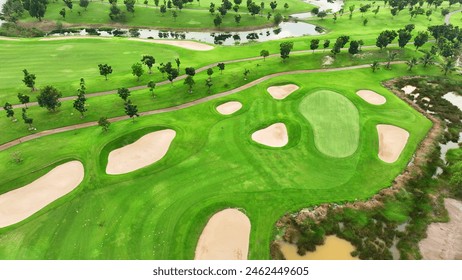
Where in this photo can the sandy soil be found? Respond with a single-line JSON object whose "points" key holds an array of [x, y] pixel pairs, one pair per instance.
{"points": [[225, 237], [190, 45], [22, 203], [327, 60], [392, 140], [274, 135], [229, 108], [408, 89], [145, 151], [281, 92], [371, 97], [444, 240], [72, 37], [334, 248], [8, 38]]}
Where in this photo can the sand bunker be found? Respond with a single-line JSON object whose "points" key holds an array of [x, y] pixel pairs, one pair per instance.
{"points": [[22, 203], [8, 38], [408, 89], [444, 240], [392, 140], [72, 37], [190, 45], [371, 97], [145, 151], [229, 108], [281, 92], [225, 237], [274, 135]]}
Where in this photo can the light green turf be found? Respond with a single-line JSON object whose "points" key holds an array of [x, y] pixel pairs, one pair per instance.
{"points": [[335, 122], [158, 212]]}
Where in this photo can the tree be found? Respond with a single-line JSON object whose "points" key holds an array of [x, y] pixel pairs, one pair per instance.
{"points": [[79, 105], [62, 13], [131, 110], [322, 15], [123, 93], [137, 70], [273, 5], [411, 63], [115, 14], [217, 20], [420, 39], [29, 79], [84, 4], [27, 120], [285, 49], [174, 15], [209, 84], [314, 44], [49, 98], [190, 82], [161, 69], [104, 70], [390, 57], [36, 8], [152, 85], [365, 21], [246, 73], [237, 19], [104, 123], [163, 9], [277, 18], [351, 9], [210, 72], [223, 11], [130, 5], [428, 13], [23, 99], [315, 10], [264, 54], [212, 8], [221, 66], [172, 75], [448, 66], [444, 12], [69, 4], [404, 36], [354, 47], [361, 43], [286, 6], [376, 11], [12, 10], [149, 61], [326, 44], [9, 111], [427, 59], [375, 66], [385, 38], [190, 71]]}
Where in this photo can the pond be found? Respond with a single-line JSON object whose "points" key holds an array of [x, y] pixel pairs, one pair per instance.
{"points": [[324, 5]]}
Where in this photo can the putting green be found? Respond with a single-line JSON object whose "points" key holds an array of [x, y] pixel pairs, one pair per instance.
{"points": [[335, 122]]}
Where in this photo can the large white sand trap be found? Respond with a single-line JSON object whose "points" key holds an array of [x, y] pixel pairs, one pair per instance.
{"points": [[371, 97], [392, 140], [145, 151], [444, 240], [21, 203], [229, 108], [190, 45], [225, 237], [408, 89], [281, 92], [274, 135]]}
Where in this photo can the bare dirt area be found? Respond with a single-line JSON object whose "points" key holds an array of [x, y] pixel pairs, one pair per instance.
{"points": [[225, 237], [392, 140], [444, 240], [274, 135], [281, 92], [147, 150], [371, 97], [229, 108], [22, 203], [190, 45]]}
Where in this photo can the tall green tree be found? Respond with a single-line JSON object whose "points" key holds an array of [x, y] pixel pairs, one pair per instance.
{"points": [[210, 72], [427, 59], [84, 4], [221, 67], [209, 84], [314, 44], [152, 85], [375, 66], [131, 110], [137, 70], [354, 47], [264, 54], [36, 8], [404, 36], [49, 98], [24, 99], [411, 63], [29, 79], [123, 93], [420, 39], [178, 63], [130, 5], [448, 66], [27, 120], [149, 61], [9, 111], [189, 81], [104, 123], [104, 70], [385, 38], [285, 48]]}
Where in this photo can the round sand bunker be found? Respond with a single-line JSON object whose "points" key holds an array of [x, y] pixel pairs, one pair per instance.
{"points": [[145, 151], [225, 237], [392, 140], [22, 203], [281, 92], [229, 108], [274, 135], [371, 97]]}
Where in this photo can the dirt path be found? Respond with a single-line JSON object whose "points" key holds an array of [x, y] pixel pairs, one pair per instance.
{"points": [[447, 18], [182, 106]]}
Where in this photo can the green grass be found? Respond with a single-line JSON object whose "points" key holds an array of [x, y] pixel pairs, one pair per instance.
{"points": [[335, 122], [158, 212]]}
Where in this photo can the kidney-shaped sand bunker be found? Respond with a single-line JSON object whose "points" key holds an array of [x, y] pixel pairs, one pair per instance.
{"points": [[371, 97], [143, 152], [281, 92], [225, 237], [229, 108], [274, 135], [392, 140], [22, 203]]}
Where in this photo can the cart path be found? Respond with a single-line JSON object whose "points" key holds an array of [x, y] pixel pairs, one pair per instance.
{"points": [[182, 106]]}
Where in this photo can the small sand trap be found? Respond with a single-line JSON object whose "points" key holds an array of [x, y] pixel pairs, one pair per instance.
{"points": [[58, 38], [392, 140], [22, 203], [145, 151], [274, 135], [225, 237], [229, 108], [408, 89], [281, 92], [8, 38], [444, 240], [371, 97], [190, 45]]}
